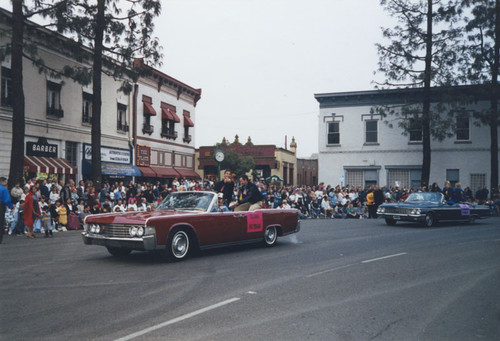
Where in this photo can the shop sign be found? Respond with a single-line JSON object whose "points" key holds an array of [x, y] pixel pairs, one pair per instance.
{"points": [[41, 148], [115, 155], [143, 157]]}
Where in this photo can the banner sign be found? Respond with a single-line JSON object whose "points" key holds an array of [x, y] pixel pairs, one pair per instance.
{"points": [[115, 155], [143, 157], [254, 221]]}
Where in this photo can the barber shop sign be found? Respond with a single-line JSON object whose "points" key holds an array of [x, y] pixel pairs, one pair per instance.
{"points": [[41, 148]]}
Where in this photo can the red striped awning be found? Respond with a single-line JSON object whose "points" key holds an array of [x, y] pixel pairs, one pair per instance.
{"points": [[188, 173], [147, 171], [165, 172], [148, 109], [50, 165], [169, 115], [188, 122]]}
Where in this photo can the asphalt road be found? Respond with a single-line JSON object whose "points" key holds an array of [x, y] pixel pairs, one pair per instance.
{"points": [[335, 280]]}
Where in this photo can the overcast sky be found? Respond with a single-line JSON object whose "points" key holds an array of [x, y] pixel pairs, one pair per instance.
{"points": [[260, 62]]}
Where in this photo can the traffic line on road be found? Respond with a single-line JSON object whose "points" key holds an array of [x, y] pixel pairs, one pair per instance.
{"points": [[329, 270], [385, 257], [178, 319]]}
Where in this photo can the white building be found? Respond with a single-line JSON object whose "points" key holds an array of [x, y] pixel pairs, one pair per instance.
{"points": [[58, 113], [164, 125], [357, 147], [152, 127]]}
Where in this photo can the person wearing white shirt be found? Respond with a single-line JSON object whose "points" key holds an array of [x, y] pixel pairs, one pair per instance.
{"points": [[119, 205], [132, 206], [326, 207], [143, 206]]}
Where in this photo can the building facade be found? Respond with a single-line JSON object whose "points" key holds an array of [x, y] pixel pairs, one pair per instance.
{"points": [[269, 160], [58, 113], [307, 171], [359, 147], [58, 118], [164, 117]]}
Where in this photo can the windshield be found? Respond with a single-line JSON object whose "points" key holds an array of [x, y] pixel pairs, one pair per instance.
{"points": [[199, 201], [426, 196]]}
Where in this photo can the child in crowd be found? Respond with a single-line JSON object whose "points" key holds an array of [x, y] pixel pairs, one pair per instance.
{"points": [[46, 221], [62, 212], [19, 224]]}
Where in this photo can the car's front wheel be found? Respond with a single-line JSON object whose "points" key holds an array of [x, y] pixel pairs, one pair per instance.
{"points": [[430, 220], [118, 251], [390, 221], [178, 244], [270, 236]]}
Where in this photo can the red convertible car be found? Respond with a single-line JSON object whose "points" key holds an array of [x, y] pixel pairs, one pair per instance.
{"points": [[185, 221]]}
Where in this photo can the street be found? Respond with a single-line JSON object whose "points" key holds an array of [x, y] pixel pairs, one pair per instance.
{"points": [[334, 280]]}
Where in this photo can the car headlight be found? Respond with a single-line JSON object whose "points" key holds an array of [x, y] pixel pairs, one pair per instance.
{"points": [[95, 228], [140, 231], [132, 231], [415, 211], [381, 210]]}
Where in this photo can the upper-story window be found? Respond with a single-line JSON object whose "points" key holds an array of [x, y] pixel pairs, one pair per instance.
{"points": [[415, 130], [87, 108], [463, 128], [148, 111], [54, 99], [371, 131], [122, 118], [188, 123], [168, 120], [6, 87], [334, 133]]}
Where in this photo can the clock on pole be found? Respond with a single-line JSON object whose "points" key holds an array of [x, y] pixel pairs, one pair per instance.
{"points": [[219, 157]]}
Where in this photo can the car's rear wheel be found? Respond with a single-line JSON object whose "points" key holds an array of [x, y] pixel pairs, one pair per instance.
{"points": [[270, 236], [178, 244], [118, 251], [430, 220]]}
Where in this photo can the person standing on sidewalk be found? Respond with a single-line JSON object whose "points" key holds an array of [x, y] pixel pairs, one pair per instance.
{"points": [[31, 211], [5, 201]]}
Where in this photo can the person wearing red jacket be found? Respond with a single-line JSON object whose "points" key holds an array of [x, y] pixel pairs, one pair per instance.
{"points": [[31, 211]]}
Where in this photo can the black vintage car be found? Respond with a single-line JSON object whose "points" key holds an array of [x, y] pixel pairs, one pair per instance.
{"points": [[429, 208]]}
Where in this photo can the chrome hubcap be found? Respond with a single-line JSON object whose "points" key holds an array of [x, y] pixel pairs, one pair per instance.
{"points": [[270, 235], [180, 244]]}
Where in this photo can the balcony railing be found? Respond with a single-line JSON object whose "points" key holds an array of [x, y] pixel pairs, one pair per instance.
{"points": [[51, 111], [147, 129], [171, 135], [187, 138], [86, 119], [122, 127]]}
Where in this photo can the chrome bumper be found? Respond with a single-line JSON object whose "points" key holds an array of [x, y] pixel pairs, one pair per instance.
{"points": [[146, 243], [403, 217]]}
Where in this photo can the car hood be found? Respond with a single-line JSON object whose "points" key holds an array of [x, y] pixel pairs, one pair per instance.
{"points": [[419, 204], [135, 218]]}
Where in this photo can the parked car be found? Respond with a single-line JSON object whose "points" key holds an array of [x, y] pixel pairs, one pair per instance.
{"points": [[185, 221], [429, 208]]}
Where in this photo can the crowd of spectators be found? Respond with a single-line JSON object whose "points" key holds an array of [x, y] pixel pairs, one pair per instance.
{"points": [[63, 206]]}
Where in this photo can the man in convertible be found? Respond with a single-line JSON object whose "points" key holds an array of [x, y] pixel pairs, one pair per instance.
{"points": [[249, 196]]}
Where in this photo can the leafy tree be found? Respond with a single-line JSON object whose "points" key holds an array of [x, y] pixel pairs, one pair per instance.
{"points": [[18, 116], [418, 56], [236, 162], [115, 31], [482, 67], [20, 49]]}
